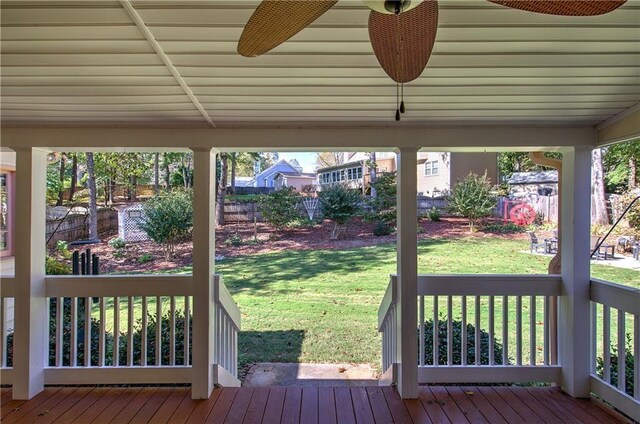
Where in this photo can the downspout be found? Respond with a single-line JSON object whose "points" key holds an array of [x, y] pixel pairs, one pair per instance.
{"points": [[554, 265]]}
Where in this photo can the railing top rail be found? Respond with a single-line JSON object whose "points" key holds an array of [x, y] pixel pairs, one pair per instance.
{"points": [[224, 299], [621, 297], [116, 285], [387, 300], [489, 284]]}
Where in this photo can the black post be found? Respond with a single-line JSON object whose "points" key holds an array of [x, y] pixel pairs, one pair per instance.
{"points": [[75, 263], [88, 259], [83, 264], [95, 265]]}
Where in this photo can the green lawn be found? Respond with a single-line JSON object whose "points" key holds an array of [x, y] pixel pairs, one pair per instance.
{"points": [[321, 306]]}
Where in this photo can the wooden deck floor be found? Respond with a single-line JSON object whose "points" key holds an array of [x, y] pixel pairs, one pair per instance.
{"points": [[436, 404]]}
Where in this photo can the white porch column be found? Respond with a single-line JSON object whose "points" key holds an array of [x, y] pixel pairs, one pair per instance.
{"points": [[573, 306], [204, 199], [30, 337], [407, 263]]}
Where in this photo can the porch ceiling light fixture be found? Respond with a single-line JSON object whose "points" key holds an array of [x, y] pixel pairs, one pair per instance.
{"points": [[402, 32]]}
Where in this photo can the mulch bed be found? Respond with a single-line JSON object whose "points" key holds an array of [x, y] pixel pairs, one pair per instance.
{"points": [[359, 233]]}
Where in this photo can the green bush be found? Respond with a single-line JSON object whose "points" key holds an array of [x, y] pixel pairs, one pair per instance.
{"points": [[339, 204], [53, 267], [434, 214], [234, 240], [109, 339], [279, 208], [384, 204], [472, 198], [628, 369], [145, 258], [168, 218], [63, 248], [507, 228], [117, 243], [457, 344], [381, 228]]}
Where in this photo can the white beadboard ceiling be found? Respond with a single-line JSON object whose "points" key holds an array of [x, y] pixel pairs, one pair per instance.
{"points": [[91, 62]]}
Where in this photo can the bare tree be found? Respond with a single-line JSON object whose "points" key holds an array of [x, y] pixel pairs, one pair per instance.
{"points": [[62, 171], [324, 159], [156, 172], [74, 175], [93, 198], [600, 213], [373, 166], [222, 186]]}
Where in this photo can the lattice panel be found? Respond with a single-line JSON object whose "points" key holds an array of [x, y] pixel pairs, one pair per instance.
{"points": [[128, 224]]}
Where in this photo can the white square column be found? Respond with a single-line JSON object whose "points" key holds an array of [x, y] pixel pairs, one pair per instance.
{"points": [[407, 264], [31, 347], [573, 305], [204, 312]]}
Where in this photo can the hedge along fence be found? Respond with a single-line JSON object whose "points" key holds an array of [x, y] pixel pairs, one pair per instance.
{"points": [[76, 227]]}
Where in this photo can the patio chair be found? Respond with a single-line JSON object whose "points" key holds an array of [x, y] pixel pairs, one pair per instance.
{"points": [[536, 244], [605, 251]]}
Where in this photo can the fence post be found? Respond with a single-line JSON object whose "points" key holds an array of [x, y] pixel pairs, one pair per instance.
{"points": [[30, 337], [204, 313]]}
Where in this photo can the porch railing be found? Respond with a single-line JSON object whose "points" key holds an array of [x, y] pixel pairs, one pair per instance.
{"points": [[7, 287], [615, 368], [127, 330], [488, 328]]}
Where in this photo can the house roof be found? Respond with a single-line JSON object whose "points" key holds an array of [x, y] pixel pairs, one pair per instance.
{"points": [[536, 177], [297, 174], [270, 169], [159, 62], [344, 165]]}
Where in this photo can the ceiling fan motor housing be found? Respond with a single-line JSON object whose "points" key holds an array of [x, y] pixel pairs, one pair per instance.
{"points": [[392, 7]]}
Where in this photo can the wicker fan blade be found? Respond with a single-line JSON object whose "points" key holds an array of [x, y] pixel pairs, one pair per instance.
{"points": [[275, 21], [403, 43], [564, 7]]}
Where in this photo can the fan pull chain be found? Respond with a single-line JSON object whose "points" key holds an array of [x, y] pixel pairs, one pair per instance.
{"points": [[402, 109], [397, 100]]}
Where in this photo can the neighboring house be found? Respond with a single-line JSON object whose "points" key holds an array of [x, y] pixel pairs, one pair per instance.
{"points": [[267, 177], [437, 171], [296, 179], [245, 182], [536, 182]]}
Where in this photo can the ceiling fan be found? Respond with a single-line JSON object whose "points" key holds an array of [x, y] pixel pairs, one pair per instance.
{"points": [[402, 32]]}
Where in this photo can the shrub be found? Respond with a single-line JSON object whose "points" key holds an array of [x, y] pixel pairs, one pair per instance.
{"points": [[384, 204], [279, 207], [53, 267], [457, 344], [168, 218], [434, 214], [117, 243], [145, 258], [472, 198], [63, 248], [614, 365], [381, 228], [234, 240], [339, 204], [507, 228]]}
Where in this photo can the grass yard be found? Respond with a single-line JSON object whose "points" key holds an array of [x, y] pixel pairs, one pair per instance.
{"points": [[321, 305]]}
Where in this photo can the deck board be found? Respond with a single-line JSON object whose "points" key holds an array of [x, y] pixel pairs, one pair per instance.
{"points": [[307, 405]]}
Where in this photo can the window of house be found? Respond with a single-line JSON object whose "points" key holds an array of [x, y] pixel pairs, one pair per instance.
{"points": [[431, 168], [6, 248]]}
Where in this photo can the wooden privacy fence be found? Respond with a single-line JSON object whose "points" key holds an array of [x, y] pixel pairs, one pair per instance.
{"points": [[241, 212], [76, 227]]}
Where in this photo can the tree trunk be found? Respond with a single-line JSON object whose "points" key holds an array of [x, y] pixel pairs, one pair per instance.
{"points": [[133, 189], [93, 198], [156, 173], [74, 176], [222, 185], [374, 166], [632, 173], [601, 216], [234, 159], [167, 176], [61, 191]]}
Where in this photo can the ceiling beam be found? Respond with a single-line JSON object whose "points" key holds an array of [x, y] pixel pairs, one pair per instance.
{"points": [[165, 59]]}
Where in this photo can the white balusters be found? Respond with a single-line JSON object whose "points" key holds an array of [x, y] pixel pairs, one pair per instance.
{"points": [[87, 331]]}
